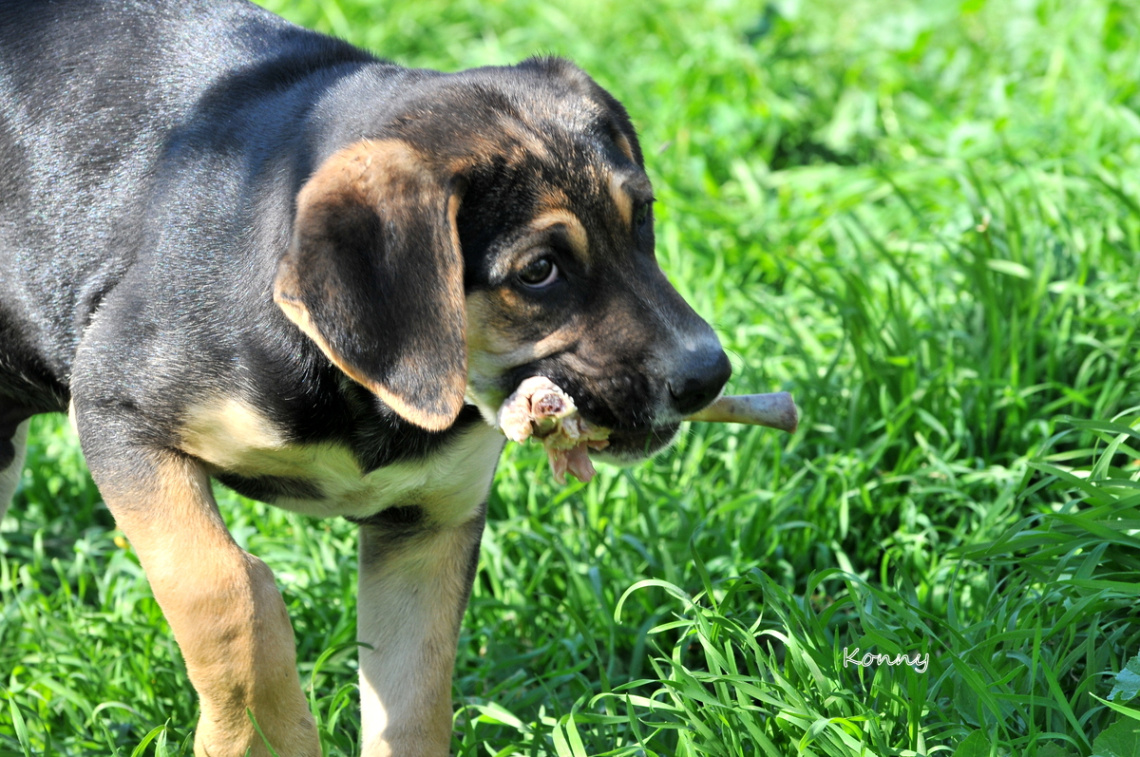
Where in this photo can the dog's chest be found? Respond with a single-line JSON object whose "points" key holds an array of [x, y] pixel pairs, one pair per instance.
{"points": [[248, 453]]}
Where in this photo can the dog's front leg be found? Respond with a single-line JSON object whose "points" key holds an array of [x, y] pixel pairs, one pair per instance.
{"points": [[415, 579], [221, 602]]}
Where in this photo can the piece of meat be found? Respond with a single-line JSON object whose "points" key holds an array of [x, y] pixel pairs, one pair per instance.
{"points": [[539, 408]]}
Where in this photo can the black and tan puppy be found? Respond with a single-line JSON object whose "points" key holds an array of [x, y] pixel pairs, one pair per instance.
{"points": [[240, 250]]}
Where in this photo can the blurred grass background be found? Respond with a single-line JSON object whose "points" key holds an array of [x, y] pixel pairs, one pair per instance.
{"points": [[923, 219]]}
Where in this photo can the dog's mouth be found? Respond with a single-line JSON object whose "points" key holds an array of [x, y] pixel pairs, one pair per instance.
{"points": [[632, 445], [572, 435], [636, 429]]}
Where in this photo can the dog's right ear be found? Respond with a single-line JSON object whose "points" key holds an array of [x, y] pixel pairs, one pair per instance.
{"points": [[374, 277]]}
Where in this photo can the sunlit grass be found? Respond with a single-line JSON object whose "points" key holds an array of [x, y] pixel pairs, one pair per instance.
{"points": [[924, 221]]}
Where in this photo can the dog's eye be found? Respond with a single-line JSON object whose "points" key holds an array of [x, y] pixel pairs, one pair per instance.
{"points": [[641, 214], [539, 273]]}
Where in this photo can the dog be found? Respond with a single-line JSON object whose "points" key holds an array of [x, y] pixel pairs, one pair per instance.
{"points": [[235, 249]]}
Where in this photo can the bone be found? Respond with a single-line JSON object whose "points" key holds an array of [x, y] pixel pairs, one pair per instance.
{"points": [[541, 409], [774, 410]]}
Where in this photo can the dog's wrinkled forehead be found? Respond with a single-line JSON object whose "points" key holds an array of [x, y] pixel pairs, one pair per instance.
{"points": [[529, 138], [555, 171], [560, 161], [555, 99]]}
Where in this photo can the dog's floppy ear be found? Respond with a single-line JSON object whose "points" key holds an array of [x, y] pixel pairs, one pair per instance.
{"points": [[374, 276]]}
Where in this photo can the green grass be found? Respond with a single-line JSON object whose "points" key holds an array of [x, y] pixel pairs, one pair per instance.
{"points": [[923, 220]]}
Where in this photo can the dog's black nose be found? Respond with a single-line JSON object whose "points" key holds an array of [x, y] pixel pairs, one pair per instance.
{"points": [[698, 378]]}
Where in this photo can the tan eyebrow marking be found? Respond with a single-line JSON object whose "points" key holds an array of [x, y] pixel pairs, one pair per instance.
{"points": [[623, 144], [621, 198], [575, 231]]}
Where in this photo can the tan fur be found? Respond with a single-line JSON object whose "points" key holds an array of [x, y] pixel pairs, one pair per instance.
{"points": [[405, 678], [553, 199], [621, 198], [234, 437], [224, 431], [519, 139], [366, 169], [491, 346], [575, 231], [225, 611], [492, 349], [623, 144], [10, 476], [508, 140]]}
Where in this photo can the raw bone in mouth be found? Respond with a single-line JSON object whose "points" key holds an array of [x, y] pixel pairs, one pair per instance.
{"points": [[539, 408]]}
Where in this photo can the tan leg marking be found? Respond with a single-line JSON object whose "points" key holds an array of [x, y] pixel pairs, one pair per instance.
{"points": [[10, 476], [411, 598], [225, 611]]}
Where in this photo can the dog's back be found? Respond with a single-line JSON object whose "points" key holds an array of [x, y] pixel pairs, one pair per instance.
{"points": [[97, 101], [79, 154]]}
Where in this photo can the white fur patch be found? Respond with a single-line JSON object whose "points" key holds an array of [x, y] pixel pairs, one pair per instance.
{"points": [[449, 483]]}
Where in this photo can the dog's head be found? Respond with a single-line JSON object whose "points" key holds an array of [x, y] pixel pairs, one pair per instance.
{"points": [[499, 225]]}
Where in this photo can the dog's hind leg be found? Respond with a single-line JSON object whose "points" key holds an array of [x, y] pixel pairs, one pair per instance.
{"points": [[12, 449]]}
